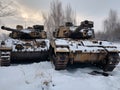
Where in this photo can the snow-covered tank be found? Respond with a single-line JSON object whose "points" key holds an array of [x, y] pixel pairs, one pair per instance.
{"points": [[29, 45], [74, 44]]}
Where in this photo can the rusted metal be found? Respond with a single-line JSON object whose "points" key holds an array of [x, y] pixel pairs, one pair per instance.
{"points": [[5, 49], [88, 57]]}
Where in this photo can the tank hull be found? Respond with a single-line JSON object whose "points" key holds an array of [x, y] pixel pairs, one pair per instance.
{"points": [[100, 53]]}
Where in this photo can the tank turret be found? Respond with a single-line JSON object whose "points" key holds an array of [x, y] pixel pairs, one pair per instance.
{"points": [[83, 31], [35, 32]]}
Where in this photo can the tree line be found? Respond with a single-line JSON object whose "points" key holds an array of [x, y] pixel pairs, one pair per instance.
{"points": [[111, 30]]}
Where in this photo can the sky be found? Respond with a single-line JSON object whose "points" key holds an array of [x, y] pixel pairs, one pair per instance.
{"points": [[30, 11]]}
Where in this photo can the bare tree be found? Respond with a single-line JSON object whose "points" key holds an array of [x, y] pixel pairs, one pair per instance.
{"points": [[54, 18], [70, 15], [111, 27], [49, 25], [111, 21], [57, 17], [6, 9], [57, 13], [111, 24]]}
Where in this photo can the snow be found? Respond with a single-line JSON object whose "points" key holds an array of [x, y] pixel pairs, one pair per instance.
{"points": [[5, 52], [76, 47], [90, 33], [62, 42], [59, 49], [117, 45], [86, 45], [26, 31], [13, 42], [73, 28], [97, 43], [42, 76]]}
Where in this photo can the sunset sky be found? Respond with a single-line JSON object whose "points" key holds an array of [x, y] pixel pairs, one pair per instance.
{"points": [[30, 11]]}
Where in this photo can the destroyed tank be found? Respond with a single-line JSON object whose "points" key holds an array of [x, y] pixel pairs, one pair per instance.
{"points": [[77, 44], [24, 45]]}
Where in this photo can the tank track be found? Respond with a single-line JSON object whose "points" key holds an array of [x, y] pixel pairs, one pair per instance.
{"points": [[60, 61], [112, 60], [5, 58]]}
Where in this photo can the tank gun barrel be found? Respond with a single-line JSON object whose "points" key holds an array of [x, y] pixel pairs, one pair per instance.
{"points": [[26, 33], [10, 29]]}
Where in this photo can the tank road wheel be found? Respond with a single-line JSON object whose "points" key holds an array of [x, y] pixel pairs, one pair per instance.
{"points": [[112, 61], [60, 61]]}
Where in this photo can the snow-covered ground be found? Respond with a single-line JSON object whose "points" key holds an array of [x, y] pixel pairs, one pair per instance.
{"points": [[42, 76]]}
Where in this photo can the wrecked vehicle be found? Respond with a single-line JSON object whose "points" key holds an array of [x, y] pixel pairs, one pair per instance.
{"points": [[29, 45], [77, 44]]}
